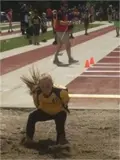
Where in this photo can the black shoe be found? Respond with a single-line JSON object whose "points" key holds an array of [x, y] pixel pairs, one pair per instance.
{"points": [[86, 34], [71, 60], [54, 43], [63, 142], [71, 37], [56, 61]]}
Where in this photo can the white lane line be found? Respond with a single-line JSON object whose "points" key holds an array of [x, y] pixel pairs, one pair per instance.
{"points": [[100, 76], [94, 96], [116, 67], [116, 51], [100, 63], [94, 76], [101, 71], [112, 57]]}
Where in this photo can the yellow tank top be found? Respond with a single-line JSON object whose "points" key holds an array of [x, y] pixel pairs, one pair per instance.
{"points": [[54, 103]]}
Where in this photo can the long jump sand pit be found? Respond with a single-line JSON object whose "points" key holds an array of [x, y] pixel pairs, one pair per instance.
{"points": [[93, 134]]}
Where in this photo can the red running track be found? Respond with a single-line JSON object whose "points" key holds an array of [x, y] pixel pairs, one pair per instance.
{"points": [[110, 84], [85, 84], [15, 62]]}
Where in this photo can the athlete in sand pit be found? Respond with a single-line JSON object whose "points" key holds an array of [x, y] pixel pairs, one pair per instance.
{"points": [[51, 103]]}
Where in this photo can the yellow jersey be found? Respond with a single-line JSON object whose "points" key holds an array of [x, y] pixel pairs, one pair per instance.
{"points": [[53, 103]]}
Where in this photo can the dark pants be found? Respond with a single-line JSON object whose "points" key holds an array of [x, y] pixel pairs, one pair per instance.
{"points": [[22, 22], [29, 31], [39, 115], [36, 29], [86, 25], [22, 27]]}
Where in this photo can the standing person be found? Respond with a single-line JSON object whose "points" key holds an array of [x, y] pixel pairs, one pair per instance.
{"points": [[86, 21], [101, 13], [49, 16], [62, 32], [29, 30], [70, 18], [26, 22], [82, 13], [9, 16], [117, 21], [44, 26], [109, 13], [54, 19], [79, 10], [92, 13], [51, 103], [23, 10], [36, 21]]}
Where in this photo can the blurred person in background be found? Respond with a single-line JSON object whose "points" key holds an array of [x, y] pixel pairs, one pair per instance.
{"points": [[36, 21], [54, 19], [26, 21], [49, 16], [82, 13], [23, 10], [29, 29], [79, 16], [92, 14], [70, 17], [101, 12], [44, 26], [117, 21], [109, 13], [9, 16], [86, 21]]}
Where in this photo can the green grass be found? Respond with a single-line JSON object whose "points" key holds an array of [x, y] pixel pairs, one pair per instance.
{"points": [[6, 27], [22, 41]]}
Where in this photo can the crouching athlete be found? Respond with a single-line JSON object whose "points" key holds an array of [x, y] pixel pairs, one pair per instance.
{"points": [[51, 102]]}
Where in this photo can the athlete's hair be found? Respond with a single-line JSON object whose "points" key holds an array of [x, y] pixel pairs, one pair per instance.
{"points": [[33, 82], [45, 76]]}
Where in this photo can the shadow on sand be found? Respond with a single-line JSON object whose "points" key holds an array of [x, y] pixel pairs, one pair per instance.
{"points": [[42, 146]]}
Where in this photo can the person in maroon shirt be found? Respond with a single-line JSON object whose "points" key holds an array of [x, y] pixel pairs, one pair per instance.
{"points": [[49, 16], [62, 28]]}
